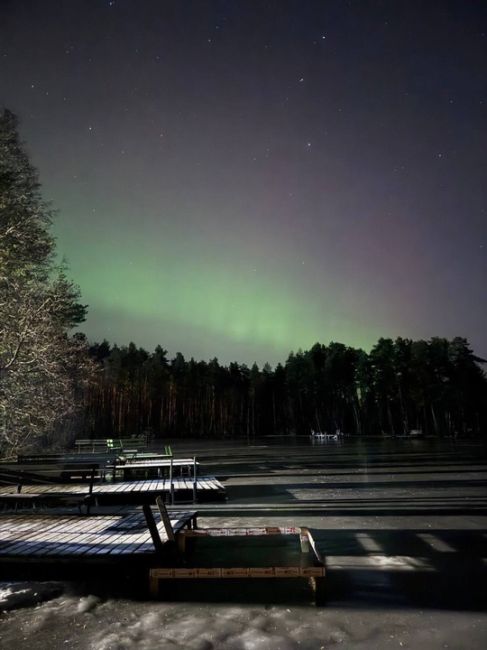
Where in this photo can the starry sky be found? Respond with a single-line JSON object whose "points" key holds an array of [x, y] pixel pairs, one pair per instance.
{"points": [[242, 178]]}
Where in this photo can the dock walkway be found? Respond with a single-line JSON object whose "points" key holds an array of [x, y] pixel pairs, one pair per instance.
{"points": [[105, 491], [44, 537]]}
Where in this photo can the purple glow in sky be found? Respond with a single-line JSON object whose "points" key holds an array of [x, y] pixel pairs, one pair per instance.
{"points": [[239, 179]]}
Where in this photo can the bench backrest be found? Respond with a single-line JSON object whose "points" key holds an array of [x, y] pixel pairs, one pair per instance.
{"points": [[37, 459]]}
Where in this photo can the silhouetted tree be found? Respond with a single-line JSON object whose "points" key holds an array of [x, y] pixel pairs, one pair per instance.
{"points": [[41, 365]]}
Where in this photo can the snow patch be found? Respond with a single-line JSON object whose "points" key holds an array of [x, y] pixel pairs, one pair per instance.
{"points": [[86, 604]]}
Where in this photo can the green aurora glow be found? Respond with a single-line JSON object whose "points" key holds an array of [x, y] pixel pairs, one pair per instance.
{"points": [[244, 304]]}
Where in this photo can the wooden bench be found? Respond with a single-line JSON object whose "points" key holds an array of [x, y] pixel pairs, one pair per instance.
{"points": [[139, 441], [39, 459], [97, 444], [18, 479], [187, 520], [310, 566], [72, 458], [63, 467], [15, 501]]}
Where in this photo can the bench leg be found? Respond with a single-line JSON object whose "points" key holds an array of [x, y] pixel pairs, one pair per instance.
{"points": [[181, 541], [319, 587], [304, 543], [153, 586]]}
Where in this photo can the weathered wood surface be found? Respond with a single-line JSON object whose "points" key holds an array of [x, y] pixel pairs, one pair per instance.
{"points": [[71, 536], [158, 485], [254, 531], [239, 572], [163, 462]]}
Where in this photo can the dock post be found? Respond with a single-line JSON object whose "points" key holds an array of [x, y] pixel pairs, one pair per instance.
{"points": [[89, 501], [195, 482], [171, 484], [153, 585], [319, 586], [19, 484]]}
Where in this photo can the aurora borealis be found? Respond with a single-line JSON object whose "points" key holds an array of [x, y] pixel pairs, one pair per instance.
{"points": [[239, 179]]}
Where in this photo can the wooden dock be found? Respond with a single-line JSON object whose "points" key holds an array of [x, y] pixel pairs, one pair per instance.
{"points": [[53, 537], [131, 491], [160, 545]]}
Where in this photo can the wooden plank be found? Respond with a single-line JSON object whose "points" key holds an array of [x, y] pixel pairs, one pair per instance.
{"points": [[149, 517], [131, 544], [149, 486], [165, 519], [236, 572], [43, 531], [243, 532]]}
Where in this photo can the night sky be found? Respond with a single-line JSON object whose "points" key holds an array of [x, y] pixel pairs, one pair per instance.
{"points": [[242, 178]]}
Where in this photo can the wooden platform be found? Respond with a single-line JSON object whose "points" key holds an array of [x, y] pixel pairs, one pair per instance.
{"points": [[55, 537], [106, 491], [269, 552], [166, 542]]}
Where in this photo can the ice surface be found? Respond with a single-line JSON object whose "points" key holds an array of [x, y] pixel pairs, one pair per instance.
{"points": [[24, 594]]}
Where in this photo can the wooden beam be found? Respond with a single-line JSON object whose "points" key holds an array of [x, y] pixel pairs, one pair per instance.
{"points": [[236, 572], [165, 519], [151, 525], [243, 532]]}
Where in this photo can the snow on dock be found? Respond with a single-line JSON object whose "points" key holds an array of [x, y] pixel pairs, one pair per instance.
{"points": [[104, 491], [44, 537]]}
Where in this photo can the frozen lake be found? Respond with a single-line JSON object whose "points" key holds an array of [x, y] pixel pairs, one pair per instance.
{"points": [[402, 525]]}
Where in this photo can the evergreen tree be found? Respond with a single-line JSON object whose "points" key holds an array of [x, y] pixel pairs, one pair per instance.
{"points": [[41, 366]]}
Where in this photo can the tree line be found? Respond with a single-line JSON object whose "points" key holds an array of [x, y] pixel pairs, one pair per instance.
{"points": [[435, 386]]}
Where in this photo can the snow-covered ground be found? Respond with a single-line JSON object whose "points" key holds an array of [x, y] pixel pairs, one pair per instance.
{"points": [[71, 621], [403, 527]]}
